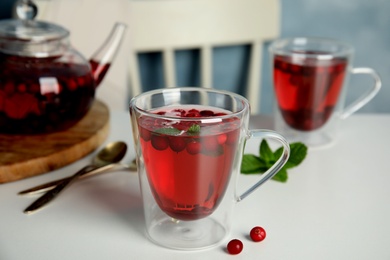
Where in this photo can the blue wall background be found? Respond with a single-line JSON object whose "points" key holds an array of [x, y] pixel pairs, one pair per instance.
{"points": [[364, 24]]}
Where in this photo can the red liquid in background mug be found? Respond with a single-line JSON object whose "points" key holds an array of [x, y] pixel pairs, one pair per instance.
{"points": [[41, 95], [188, 171], [307, 93]]}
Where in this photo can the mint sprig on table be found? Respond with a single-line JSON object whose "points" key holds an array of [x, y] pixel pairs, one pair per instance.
{"points": [[252, 164]]}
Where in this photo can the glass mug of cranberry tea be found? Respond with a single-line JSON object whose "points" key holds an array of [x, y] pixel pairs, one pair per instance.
{"points": [[310, 86], [189, 144]]}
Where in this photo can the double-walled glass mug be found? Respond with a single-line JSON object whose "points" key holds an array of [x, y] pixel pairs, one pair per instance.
{"points": [[310, 86], [189, 144]]}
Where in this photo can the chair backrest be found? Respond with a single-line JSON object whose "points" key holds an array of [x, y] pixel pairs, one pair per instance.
{"points": [[167, 26], [170, 25]]}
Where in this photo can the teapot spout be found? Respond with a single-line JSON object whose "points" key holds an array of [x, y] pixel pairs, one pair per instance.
{"points": [[103, 57]]}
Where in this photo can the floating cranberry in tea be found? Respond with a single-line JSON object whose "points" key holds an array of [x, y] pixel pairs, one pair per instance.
{"points": [[193, 113], [176, 143], [45, 84], [206, 113], [193, 147], [159, 142]]}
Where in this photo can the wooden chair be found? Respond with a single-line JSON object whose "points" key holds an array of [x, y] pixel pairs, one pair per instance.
{"points": [[168, 26], [171, 25]]}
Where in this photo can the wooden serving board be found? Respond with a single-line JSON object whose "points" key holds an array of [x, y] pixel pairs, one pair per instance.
{"points": [[23, 156]]}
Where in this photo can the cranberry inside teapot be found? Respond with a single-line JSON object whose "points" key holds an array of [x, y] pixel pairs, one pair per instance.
{"points": [[40, 95]]}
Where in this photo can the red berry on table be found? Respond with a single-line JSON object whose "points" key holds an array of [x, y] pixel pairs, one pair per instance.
{"points": [[235, 247], [257, 234]]}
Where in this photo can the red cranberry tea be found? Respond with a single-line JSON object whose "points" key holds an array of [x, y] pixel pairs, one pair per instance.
{"points": [[307, 93], [188, 161], [39, 95]]}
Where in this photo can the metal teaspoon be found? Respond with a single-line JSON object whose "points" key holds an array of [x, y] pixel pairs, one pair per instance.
{"points": [[50, 185], [111, 153]]}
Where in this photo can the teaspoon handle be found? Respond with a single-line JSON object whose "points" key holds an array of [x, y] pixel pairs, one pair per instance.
{"points": [[53, 193], [92, 170], [49, 185]]}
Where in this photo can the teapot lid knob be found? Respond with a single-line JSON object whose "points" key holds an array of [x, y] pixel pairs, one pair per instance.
{"points": [[26, 9], [28, 37]]}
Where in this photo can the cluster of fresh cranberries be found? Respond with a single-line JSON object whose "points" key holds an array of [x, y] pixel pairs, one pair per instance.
{"points": [[235, 246], [179, 112], [163, 137], [193, 145]]}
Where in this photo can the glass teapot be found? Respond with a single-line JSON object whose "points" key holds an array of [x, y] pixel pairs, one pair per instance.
{"points": [[45, 84]]}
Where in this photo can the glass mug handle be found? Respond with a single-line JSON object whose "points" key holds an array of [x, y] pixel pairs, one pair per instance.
{"points": [[367, 96], [260, 134]]}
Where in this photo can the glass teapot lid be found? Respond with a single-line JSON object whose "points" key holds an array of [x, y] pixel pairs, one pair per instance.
{"points": [[27, 37]]}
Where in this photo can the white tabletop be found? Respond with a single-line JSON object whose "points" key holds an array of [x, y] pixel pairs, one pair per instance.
{"points": [[334, 206]]}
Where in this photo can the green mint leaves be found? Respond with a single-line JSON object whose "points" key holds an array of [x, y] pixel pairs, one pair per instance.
{"points": [[168, 131], [252, 164], [194, 129]]}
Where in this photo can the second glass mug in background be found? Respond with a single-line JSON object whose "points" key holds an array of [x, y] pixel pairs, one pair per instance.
{"points": [[189, 144], [310, 78]]}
